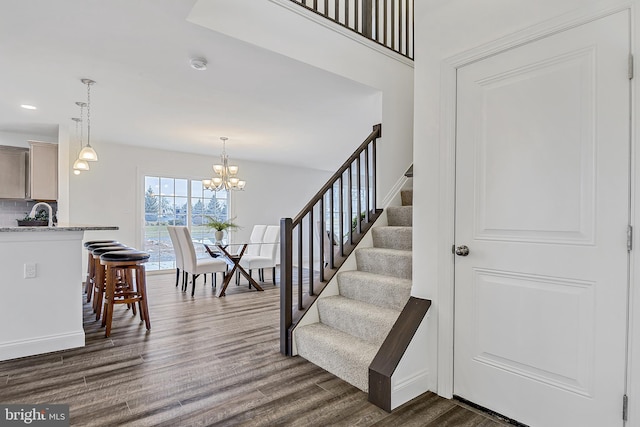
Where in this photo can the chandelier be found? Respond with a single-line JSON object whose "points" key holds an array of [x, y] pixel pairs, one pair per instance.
{"points": [[225, 175]]}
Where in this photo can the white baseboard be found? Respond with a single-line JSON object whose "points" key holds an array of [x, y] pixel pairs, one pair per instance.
{"points": [[405, 389], [40, 345]]}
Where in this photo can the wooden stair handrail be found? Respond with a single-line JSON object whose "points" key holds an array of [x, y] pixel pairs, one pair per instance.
{"points": [[366, 213], [393, 348]]}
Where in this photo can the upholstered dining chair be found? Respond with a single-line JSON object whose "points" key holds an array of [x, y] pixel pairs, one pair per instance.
{"points": [[268, 256], [194, 266], [255, 240], [257, 235], [179, 257]]}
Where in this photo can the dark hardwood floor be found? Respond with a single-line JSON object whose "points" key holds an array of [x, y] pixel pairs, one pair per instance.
{"points": [[206, 361]]}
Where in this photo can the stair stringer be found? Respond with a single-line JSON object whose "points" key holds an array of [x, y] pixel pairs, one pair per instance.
{"points": [[331, 289]]}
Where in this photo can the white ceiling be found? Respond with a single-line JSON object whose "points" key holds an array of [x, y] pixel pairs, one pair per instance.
{"points": [[272, 108]]}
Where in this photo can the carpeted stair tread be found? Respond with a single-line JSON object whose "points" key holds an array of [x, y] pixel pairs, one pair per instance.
{"points": [[392, 237], [376, 289], [407, 197], [344, 355], [400, 215], [387, 262], [358, 318]]}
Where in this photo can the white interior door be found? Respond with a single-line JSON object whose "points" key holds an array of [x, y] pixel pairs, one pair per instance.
{"points": [[542, 203]]}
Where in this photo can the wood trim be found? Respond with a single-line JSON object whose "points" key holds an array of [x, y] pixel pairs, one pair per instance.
{"points": [[393, 348]]}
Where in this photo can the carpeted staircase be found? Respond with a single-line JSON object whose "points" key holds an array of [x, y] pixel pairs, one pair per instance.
{"points": [[354, 323]]}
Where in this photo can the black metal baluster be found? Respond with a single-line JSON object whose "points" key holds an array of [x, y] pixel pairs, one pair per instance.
{"points": [[393, 24], [400, 38], [332, 261], [384, 23], [359, 179], [300, 283], [341, 216], [311, 252], [322, 234], [350, 203], [366, 183]]}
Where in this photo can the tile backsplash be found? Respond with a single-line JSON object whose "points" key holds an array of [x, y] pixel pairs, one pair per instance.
{"points": [[10, 210]]}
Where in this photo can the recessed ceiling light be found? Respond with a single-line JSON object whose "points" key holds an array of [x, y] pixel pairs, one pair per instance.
{"points": [[28, 107]]}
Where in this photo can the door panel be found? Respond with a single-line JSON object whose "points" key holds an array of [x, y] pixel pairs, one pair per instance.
{"points": [[542, 185]]}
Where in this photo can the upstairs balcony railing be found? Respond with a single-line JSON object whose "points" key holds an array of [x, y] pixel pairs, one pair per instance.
{"points": [[387, 22], [315, 243]]}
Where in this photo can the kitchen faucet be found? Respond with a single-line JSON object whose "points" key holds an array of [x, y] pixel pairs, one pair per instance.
{"points": [[32, 214]]}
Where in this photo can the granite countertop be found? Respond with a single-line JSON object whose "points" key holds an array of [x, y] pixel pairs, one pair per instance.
{"points": [[60, 227]]}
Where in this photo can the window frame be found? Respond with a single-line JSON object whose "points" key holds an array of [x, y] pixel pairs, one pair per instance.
{"points": [[141, 222]]}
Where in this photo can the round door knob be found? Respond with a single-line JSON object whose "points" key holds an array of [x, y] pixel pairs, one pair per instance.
{"points": [[462, 250]]}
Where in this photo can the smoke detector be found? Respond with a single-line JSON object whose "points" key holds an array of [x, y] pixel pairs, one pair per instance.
{"points": [[199, 64]]}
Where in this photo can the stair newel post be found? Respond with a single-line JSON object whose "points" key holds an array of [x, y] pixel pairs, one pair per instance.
{"points": [[286, 297]]}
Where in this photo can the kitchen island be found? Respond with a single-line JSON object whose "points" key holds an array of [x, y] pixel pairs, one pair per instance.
{"points": [[41, 272]]}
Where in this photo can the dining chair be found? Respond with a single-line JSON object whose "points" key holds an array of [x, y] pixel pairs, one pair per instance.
{"points": [[255, 240], [268, 256], [194, 266], [257, 235], [178, 253]]}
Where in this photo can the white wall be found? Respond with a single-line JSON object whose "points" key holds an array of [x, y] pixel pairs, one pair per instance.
{"points": [[445, 28], [276, 26], [111, 193]]}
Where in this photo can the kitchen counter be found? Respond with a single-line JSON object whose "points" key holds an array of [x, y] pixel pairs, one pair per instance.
{"points": [[59, 227], [41, 285]]}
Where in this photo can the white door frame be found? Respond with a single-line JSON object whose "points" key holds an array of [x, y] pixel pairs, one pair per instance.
{"points": [[446, 202]]}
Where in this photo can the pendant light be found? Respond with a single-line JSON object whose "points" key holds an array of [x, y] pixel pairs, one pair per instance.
{"points": [[80, 164], [88, 153]]}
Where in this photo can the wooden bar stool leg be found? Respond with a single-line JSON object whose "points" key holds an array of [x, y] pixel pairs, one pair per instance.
{"points": [[130, 286], [99, 289], [91, 272], [87, 283], [141, 286], [108, 300]]}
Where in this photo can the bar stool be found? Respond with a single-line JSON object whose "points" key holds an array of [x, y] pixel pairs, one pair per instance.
{"points": [[135, 290], [88, 285], [100, 275]]}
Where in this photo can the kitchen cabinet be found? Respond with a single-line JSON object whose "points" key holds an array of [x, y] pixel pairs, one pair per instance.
{"points": [[13, 172], [43, 166]]}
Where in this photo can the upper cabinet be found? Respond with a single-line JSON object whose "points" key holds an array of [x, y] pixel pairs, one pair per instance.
{"points": [[43, 165], [13, 172]]}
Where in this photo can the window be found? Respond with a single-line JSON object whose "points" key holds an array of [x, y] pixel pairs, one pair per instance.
{"points": [[177, 201]]}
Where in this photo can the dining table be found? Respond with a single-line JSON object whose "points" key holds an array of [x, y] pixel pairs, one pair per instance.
{"points": [[233, 258]]}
